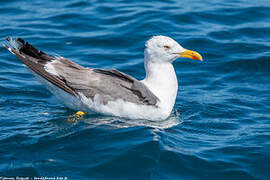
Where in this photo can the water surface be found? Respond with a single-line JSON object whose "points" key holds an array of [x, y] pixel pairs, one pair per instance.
{"points": [[220, 125]]}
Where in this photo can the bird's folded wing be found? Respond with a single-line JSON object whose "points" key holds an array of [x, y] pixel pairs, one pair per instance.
{"points": [[107, 85], [144, 95]]}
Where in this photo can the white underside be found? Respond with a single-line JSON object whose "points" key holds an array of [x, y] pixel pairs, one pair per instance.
{"points": [[118, 108]]}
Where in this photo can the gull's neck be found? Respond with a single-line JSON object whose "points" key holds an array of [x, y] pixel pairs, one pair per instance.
{"points": [[162, 81]]}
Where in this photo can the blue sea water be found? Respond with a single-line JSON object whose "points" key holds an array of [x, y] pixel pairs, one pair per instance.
{"points": [[220, 125]]}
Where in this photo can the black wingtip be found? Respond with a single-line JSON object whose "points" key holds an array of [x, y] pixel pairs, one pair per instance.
{"points": [[24, 47], [8, 38], [20, 40]]}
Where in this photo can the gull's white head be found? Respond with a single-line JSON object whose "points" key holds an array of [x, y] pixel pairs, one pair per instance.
{"points": [[162, 49]]}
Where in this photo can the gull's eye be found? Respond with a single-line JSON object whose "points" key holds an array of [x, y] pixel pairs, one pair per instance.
{"points": [[167, 47]]}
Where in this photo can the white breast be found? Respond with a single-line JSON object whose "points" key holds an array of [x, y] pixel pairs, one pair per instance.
{"points": [[162, 81]]}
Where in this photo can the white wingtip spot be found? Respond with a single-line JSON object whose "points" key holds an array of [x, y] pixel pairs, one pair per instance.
{"points": [[50, 68], [6, 46]]}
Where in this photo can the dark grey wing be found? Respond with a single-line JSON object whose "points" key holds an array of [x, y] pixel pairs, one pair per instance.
{"points": [[144, 95], [108, 85]]}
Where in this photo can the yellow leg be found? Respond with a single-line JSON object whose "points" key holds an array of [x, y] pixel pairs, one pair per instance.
{"points": [[80, 113], [77, 116]]}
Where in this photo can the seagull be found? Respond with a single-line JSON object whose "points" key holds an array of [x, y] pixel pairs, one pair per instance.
{"points": [[110, 92]]}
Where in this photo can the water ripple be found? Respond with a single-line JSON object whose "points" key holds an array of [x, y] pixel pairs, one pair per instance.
{"points": [[219, 128]]}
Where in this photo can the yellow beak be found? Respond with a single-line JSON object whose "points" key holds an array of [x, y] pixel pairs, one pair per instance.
{"points": [[191, 54]]}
